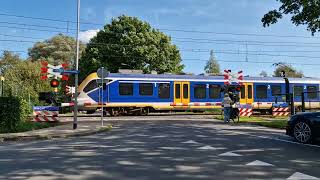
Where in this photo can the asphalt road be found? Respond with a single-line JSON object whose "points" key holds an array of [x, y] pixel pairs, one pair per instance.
{"points": [[163, 150]]}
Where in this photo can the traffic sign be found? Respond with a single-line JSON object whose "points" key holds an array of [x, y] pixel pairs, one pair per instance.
{"points": [[100, 81], [102, 72], [63, 71]]}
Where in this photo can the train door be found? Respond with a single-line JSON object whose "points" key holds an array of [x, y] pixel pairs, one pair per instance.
{"points": [[182, 92], [246, 93]]}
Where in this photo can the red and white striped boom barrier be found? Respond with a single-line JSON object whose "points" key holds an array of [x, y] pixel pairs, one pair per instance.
{"points": [[46, 113], [280, 111], [245, 112]]}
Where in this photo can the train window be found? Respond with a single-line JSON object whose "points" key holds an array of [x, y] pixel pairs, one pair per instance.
{"points": [[146, 89], [164, 90], [312, 89], [185, 91], [297, 91], [262, 91], [214, 91], [177, 89], [275, 90], [126, 89], [242, 92], [249, 91], [90, 86], [200, 91]]}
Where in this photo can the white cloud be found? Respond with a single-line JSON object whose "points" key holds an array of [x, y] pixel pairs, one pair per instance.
{"points": [[85, 36]]}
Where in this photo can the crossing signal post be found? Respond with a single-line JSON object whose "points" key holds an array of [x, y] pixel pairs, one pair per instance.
{"points": [[55, 84], [62, 72]]}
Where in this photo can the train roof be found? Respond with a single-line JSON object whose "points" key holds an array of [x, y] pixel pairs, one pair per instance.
{"points": [[206, 78]]}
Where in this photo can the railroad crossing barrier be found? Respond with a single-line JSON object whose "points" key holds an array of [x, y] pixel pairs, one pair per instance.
{"points": [[280, 109], [245, 110], [46, 113]]}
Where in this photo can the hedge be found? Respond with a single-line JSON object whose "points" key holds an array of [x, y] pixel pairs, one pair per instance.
{"points": [[13, 110]]}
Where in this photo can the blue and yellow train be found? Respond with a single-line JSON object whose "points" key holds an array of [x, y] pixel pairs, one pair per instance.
{"points": [[143, 93]]}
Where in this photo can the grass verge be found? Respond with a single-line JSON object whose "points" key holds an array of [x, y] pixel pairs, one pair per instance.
{"points": [[29, 126], [278, 122]]}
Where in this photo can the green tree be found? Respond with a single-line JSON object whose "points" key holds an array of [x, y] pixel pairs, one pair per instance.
{"points": [[263, 74], [56, 50], [129, 43], [22, 78], [212, 66], [304, 12], [8, 60], [289, 70]]}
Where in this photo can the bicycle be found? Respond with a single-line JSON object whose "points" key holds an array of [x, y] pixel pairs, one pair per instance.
{"points": [[235, 115]]}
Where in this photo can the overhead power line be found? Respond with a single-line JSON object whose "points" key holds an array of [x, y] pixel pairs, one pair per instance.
{"points": [[27, 37], [244, 41], [238, 34], [260, 51], [167, 29], [37, 25], [177, 39], [197, 60], [251, 44], [32, 29], [221, 52], [208, 41], [47, 19]]}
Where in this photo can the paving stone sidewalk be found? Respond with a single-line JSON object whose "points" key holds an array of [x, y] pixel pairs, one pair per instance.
{"points": [[61, 131]]}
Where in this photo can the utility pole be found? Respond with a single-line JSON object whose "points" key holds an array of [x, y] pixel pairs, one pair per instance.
{"points": [[75, 118]]}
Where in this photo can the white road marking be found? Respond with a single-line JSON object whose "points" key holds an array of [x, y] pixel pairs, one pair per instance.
{"points": [[258, 163], [298, 175], [203, 136], [190, 142], [151, 153], [208, 148], [188, 168], [126, 163], [265, 137], [172, 148], [230, 154]]}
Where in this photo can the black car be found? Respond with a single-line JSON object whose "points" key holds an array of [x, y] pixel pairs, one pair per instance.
{"points": [[304, 127]]}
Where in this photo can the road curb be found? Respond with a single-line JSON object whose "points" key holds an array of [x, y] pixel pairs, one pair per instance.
{"points": [[12, 138]]}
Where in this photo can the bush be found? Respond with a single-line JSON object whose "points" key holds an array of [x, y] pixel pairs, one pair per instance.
{"points": [[13, 111]]}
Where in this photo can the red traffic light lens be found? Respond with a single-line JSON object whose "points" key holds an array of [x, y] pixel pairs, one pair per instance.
{"points": [[54, 83]]}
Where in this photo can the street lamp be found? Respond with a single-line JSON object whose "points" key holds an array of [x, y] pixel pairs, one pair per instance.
{"points": [[2, 80]]}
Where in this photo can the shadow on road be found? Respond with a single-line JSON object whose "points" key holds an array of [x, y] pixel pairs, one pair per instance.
{"points": [[157, 150]]}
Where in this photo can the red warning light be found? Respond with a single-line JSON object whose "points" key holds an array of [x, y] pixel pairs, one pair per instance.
{"points": [[54, 83]]}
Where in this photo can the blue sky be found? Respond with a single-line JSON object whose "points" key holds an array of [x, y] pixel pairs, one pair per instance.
{"points": [[214, 16]]}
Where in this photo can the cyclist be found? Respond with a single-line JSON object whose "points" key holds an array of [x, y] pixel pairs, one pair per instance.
{"points": [[227, 102]]}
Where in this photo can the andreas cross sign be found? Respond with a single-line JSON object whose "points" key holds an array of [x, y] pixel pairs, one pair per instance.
{"points": [[230, 78], [59, 71]]}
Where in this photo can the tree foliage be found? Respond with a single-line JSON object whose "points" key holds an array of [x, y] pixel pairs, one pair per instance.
{"points": [[56, 50], [212, 66], [263, 74], [22, 78], [8, 60], [304, 12], [129, 43], [289, 70]]}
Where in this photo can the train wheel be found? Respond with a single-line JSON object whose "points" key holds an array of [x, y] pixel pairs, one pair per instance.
{"points": [[144, 111], [113, 112]]}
